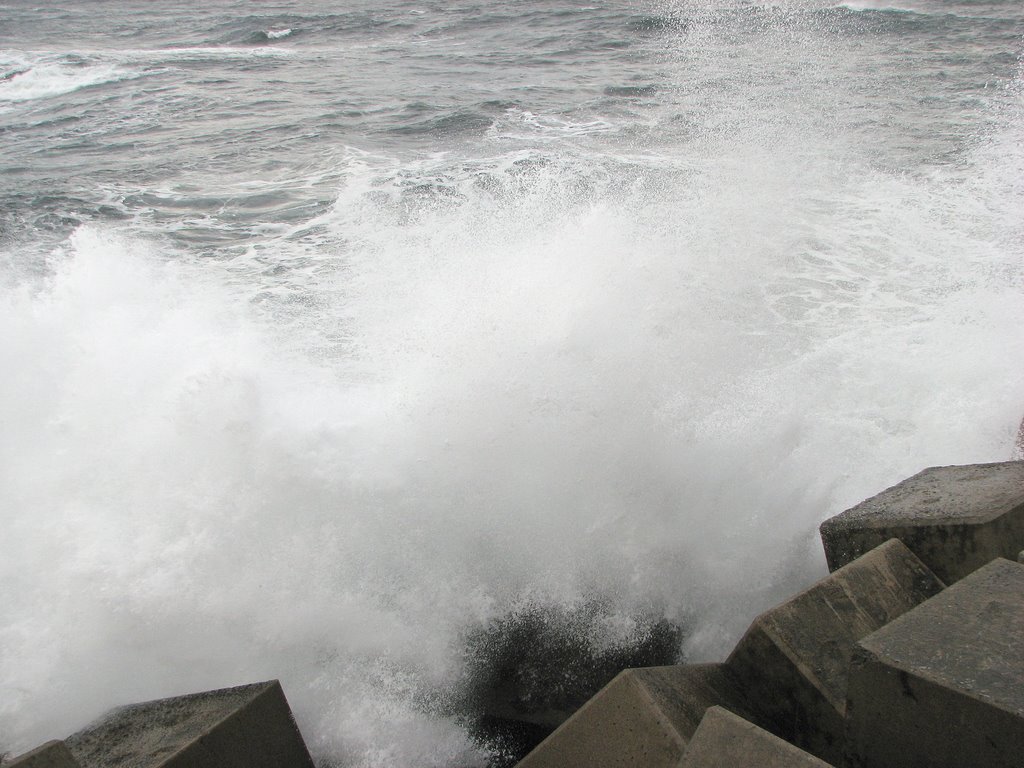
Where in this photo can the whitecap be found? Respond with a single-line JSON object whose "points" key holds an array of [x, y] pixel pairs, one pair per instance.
{"points": [[200, 53], [520, 124], [859, 6], [46, 79]]}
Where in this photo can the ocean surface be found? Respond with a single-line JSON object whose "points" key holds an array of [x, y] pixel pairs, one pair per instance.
{"points": [[331, 333]]}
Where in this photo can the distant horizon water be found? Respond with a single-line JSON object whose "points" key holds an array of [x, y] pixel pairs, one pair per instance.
{"points": [[333, 335]]}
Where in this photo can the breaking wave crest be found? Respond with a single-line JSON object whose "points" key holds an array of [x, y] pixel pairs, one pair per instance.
{"points": [[603, 382], [47, 77]]}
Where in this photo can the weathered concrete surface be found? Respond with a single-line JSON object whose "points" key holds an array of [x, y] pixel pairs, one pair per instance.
{"points": [[943, 685], [642, 717], [793, 660], [725, 740], [956, 519], [52, 754], [250, 726]]}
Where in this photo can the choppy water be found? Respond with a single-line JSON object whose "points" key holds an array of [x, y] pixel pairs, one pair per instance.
{"points": [[332, 334]]}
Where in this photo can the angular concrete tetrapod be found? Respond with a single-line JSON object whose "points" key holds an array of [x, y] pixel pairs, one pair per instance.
{"points": [[943, 685], [956, 519], [793, 660], [52, 754], [725, 740], [249, 726], [644, 717]]}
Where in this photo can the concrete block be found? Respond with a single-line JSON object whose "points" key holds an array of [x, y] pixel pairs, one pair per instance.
{"points": [[725, 740], [943, 685], [642, 717], [956, 519], [793, 660], [52, 754], [250, 726]]}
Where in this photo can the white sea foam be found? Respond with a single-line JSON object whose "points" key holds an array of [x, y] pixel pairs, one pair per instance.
{"points": [[885, 5], [520, 124], [277, 34], [547, 375], [549, 398], [49, 77], [200, 53], [36, 75]]}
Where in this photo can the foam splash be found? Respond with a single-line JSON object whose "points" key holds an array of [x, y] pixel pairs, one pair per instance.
{"points": [[539, 401], [474, 385]]}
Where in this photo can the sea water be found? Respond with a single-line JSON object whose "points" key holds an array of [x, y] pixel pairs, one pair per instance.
{"points": [[331, 333]]}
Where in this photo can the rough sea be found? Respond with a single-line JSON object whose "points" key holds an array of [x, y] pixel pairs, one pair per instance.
{"points": [[333, 333]]}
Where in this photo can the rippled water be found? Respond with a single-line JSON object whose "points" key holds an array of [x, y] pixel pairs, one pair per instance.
{"points": [[334, 335]]}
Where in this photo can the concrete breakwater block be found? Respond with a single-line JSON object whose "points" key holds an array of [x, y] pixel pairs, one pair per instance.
{"points": [[956, 519], [643, 717], [793, 659], [52, 754], [943, 685], [250, 726], [725, 740]]}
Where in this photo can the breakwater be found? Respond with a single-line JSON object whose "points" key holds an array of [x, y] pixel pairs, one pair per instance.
{"points": [[909, 653]]}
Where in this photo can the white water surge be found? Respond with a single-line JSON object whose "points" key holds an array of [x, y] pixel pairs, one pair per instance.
{"points": [[642, 377]]}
